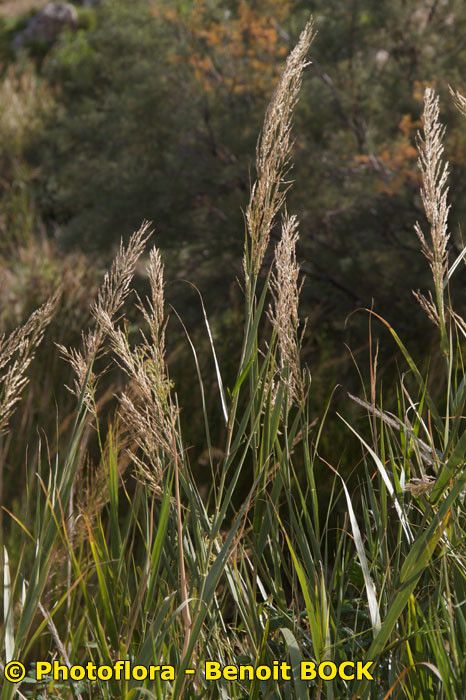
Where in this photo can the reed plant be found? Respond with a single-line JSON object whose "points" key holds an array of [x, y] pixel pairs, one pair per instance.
{"points": [[126, 557]]}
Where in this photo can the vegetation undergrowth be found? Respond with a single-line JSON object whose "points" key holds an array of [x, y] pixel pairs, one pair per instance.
{"points": [[124, 557]]}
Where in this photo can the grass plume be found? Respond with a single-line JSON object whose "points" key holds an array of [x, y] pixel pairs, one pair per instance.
{"points": [[273, 155], [171, 571], [284, 313], [110, 299], [434, 192], [16, 354]]}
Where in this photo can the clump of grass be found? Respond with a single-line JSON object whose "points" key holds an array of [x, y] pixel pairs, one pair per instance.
{"points": [[163, 572], [434, 196]]}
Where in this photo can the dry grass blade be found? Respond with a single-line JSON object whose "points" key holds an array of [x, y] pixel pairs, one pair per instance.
{"points": [[425, 451], [273, 154], [23, 99], [56, 637], [459, 100], [460, 322]]}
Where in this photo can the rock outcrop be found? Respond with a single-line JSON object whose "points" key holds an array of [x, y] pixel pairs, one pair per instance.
{"points": [[47, 24]]}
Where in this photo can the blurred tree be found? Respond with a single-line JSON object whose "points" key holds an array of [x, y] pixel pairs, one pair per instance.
{"points": [[155, 114], [357, 185], [160, 106], [139, 133]]}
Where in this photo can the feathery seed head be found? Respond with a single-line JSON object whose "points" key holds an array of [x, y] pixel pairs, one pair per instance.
{"points": [[284, 314], [273, 155], [434, 189]]}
